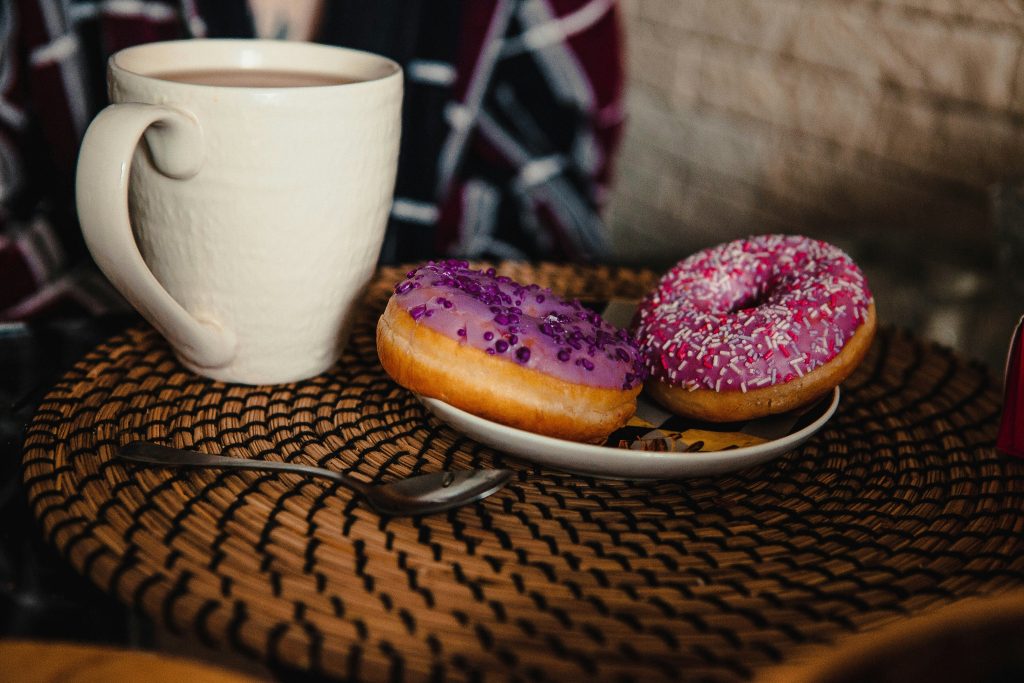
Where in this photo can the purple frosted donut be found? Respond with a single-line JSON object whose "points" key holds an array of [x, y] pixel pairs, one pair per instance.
{"points": [[517, 354], [754, 327]]}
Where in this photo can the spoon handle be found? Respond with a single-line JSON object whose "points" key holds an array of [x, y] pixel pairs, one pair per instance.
{"points": [[154, 454]]}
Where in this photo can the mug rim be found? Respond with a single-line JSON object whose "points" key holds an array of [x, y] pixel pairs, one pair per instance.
{"points": [[381, 68]]}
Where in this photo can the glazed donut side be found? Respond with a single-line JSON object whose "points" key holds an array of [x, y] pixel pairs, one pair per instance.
{"points": [[735, 405], [435, 365]]}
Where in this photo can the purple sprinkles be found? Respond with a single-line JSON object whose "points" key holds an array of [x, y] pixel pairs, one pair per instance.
{"points": [[526, 325]]}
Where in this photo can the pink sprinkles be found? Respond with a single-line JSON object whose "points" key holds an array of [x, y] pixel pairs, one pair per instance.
{"points": [[751, 313], [523, 324]]}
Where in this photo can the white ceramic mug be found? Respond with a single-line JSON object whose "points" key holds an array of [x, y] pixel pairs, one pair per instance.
{"points": [[242, 222]]}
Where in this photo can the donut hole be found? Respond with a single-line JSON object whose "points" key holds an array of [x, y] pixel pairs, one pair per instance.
{"points": [[752, 300]]}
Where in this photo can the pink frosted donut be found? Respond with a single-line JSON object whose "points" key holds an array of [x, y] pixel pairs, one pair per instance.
{"points": [[511, 353], [754, 327]]}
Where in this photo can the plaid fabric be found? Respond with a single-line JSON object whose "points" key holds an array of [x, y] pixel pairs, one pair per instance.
{"points": [[536, 113], [512, 113]]}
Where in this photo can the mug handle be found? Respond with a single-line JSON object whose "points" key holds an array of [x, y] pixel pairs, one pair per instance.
{"points": [[176, 147]]}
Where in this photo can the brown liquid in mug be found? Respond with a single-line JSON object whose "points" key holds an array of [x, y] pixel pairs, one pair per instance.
{"points": [[254, 78]]}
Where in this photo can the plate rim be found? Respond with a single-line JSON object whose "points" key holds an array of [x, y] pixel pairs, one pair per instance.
{"points": [[734, 456]]}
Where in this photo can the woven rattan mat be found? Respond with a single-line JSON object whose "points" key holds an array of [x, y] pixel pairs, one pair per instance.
{"points": [[900, 505]]}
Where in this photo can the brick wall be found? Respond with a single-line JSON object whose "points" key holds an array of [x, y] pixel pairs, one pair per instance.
{"points": [[816, 116]]}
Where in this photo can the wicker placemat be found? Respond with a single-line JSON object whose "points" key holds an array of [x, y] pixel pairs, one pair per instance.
{"points": [[898, 506]]}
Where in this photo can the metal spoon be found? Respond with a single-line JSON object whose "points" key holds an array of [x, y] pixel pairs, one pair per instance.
{"points": [[419, 495]]}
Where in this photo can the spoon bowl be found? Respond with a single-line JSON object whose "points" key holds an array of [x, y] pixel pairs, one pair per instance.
{"points": [[419, 495]]}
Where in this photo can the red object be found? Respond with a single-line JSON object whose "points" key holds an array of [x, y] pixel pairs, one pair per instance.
{"points": [[1011, 427]]}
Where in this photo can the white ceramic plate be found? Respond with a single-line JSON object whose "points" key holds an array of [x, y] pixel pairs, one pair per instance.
{"points": [[622, 463]]}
